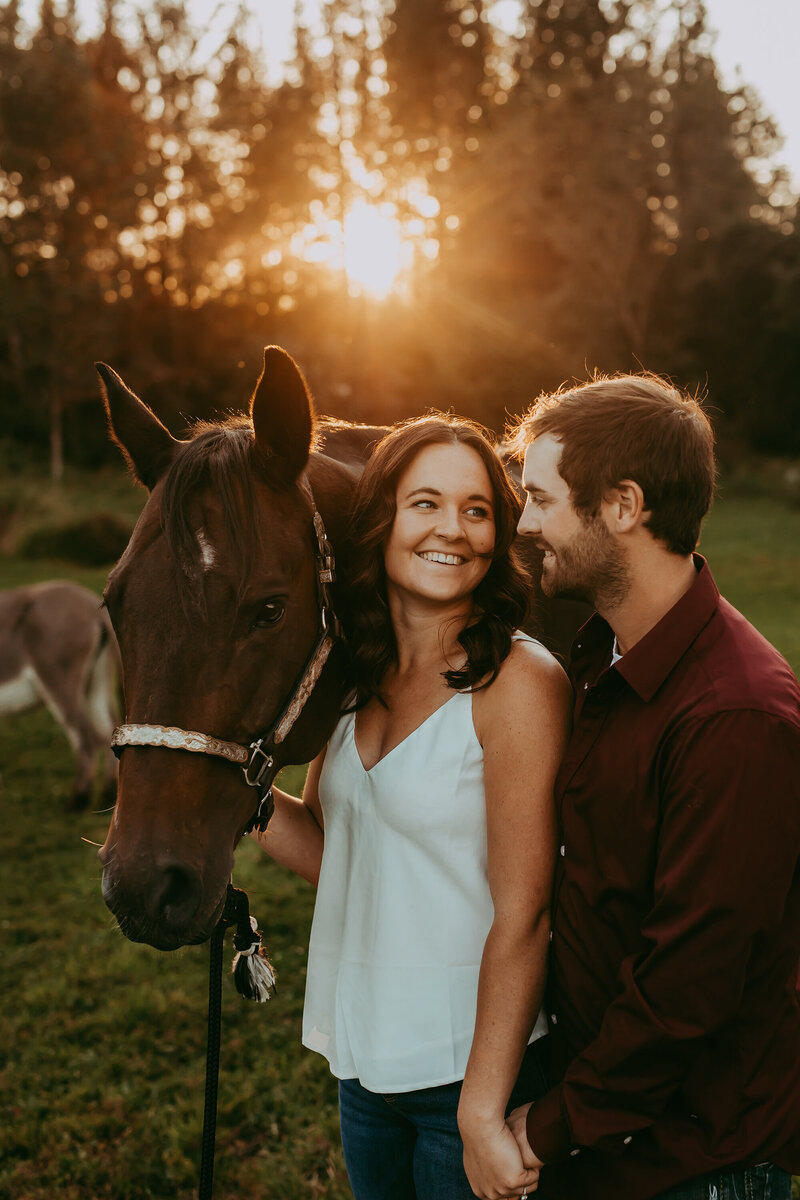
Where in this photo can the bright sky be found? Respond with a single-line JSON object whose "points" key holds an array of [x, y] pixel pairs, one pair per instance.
{"points": [[760, 40]]}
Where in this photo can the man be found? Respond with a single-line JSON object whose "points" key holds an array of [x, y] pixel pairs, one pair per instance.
{"points": [[676, 906]]}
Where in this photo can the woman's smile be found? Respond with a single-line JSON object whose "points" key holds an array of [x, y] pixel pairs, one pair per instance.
{"points": [[446, 560], [442, 537]]}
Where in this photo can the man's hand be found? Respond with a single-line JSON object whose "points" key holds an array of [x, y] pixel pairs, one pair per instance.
{"points": [[494, 1165], [518, 1124]]}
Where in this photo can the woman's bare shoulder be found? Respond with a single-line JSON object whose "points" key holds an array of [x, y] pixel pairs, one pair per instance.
{"points": [[530, 678], [530, 664]]}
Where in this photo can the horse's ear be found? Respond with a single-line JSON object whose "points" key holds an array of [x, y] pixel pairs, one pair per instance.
{"points": [[148, 447], [282, 411]]}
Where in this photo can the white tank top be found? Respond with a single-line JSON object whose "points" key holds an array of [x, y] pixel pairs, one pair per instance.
{"points": [[403, 906]]}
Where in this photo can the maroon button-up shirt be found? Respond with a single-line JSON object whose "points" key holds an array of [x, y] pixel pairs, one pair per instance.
{"points": [[676, 911]]}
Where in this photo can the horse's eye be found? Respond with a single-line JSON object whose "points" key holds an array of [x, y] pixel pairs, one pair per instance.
{"points": [[270, 614]]}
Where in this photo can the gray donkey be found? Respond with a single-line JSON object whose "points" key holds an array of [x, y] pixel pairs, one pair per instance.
{"points": [[57, 648]]}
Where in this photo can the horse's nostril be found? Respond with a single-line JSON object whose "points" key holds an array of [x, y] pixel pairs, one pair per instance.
{"points": [[176, 896]]}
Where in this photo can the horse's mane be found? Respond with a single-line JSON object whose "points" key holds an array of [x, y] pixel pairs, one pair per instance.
{"points": [[325, 423], [346, 441]]}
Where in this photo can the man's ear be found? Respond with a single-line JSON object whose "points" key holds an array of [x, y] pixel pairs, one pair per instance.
{"points": [[624, 507]]}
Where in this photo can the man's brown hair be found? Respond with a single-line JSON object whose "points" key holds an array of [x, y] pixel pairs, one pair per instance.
{"points": [[637, 427]]}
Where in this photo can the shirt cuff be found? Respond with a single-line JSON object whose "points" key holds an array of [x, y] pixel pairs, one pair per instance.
{"points": [[548, 1132]]}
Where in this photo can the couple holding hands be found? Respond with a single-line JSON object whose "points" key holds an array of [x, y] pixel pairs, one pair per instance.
{"points": [[556, 937]]}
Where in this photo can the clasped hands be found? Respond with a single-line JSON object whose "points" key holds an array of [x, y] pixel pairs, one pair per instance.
{"points": [[498, 1158]]}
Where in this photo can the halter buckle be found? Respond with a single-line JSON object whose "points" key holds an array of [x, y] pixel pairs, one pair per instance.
{"points": [[326, 562], [326, 565], [263, 768]]}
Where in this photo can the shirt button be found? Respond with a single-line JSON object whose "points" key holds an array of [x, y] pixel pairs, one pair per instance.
{"points": [[554, 1018], [563, 851], [586, 687], [551, 935], [572, 1153], [627, 1140]]}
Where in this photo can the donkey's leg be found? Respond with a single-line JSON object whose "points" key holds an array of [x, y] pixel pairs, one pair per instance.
{"points": [[102, 713], [64, 692], [63, 635], [83, 739]]}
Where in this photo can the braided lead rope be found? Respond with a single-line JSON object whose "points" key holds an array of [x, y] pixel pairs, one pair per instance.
{"points": [[212, 1061], [254, 979]]}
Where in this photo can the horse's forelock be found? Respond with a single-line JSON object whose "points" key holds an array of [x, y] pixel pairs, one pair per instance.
{"points": [[224, 459]]}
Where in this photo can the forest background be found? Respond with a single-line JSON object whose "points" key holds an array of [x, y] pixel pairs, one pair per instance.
{"points": [[425, 209]]}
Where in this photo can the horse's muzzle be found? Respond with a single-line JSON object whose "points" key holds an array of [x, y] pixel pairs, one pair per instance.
{"points": [[164, 908]]}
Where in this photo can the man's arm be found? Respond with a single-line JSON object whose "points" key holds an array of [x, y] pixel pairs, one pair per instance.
{"points": [[726, 856]]}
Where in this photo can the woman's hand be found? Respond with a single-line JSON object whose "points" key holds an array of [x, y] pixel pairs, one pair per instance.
{"points": [[518, 1124], [493, 1162]]}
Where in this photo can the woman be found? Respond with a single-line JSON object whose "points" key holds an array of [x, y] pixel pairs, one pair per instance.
{"points": [[427, 955]]}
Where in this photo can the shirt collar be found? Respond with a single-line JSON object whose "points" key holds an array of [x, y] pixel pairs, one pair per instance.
{"points": [[647, 664]]}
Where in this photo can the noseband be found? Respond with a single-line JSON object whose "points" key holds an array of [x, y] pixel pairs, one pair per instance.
{"points": [[257, 759]]}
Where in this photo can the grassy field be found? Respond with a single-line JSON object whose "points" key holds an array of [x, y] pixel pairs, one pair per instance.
{"points": [[105, 1041], [753, 547], [102, 1084]]}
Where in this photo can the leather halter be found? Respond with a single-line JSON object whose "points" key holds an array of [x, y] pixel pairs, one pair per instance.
{"points": [[257, 759]]}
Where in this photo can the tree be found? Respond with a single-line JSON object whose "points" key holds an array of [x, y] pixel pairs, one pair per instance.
{"points": [[582, 194], [62, 173]]}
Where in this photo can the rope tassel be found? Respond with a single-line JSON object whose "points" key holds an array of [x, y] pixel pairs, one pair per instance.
{"points": [[253, 974]]}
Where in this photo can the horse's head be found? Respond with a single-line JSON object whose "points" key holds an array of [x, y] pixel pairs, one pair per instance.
{"points": [[215, 607]]}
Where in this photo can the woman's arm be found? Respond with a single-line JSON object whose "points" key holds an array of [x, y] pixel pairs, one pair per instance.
{"points": [[294, 836], [522, 721]]}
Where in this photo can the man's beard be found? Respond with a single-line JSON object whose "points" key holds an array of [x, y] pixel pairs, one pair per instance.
{"points": [[591, 567]]}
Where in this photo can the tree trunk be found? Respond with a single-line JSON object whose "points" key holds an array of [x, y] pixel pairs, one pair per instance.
{"points": [[56, 437]]}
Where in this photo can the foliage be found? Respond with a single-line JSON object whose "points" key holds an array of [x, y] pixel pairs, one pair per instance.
{"points": [[580, 193], [92, 541]]}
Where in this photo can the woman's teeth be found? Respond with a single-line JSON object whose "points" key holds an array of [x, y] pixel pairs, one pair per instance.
{"points": [[449, 560]]}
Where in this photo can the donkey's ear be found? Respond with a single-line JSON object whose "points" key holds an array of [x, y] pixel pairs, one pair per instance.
{"points": [[282, 411], [148, 447]]}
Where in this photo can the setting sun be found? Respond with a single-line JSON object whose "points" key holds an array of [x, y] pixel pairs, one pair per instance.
{"points": [[373, 249], [370, 246]]}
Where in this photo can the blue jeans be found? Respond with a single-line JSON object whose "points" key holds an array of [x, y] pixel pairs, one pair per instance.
{"points": [[764, 1182], [406, 1146]]}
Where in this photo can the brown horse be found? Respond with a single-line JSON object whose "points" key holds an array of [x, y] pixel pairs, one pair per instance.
{"points": [[217, 609], [215, 606], [57, 648]]}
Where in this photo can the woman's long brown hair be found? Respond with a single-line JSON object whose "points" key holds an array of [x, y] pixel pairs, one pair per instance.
{"points": [[501, 599]]}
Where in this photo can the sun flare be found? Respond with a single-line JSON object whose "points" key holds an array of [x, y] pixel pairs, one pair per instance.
{"points": [[373, 249], [370, 246]]}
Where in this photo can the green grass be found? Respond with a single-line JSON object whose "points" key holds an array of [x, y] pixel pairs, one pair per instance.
{"points": [[28, 501], [753, 548], [102, 1087], [103, 1079]]}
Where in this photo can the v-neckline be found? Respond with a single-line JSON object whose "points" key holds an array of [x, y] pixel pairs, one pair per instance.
{"points": [[402, 742]]}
